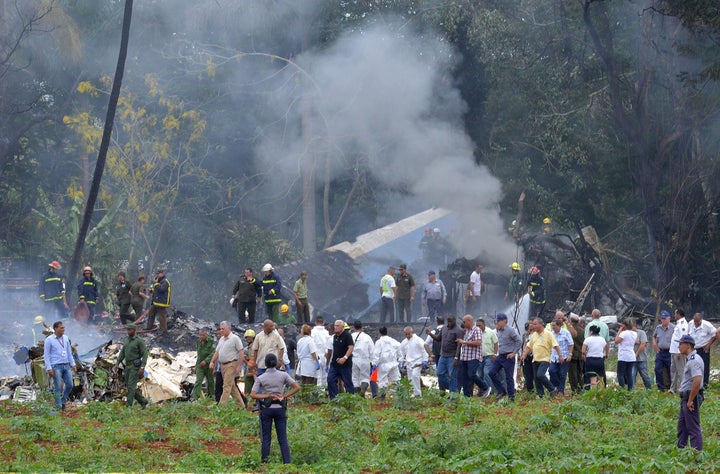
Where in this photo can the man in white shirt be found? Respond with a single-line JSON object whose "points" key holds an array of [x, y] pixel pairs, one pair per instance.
{"points": [[388, 290], [704, 334], [475, 290], [362, 358], [320, 336], [677, 360], [414, 357]]}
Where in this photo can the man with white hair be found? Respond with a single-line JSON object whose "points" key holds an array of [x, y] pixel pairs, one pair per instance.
{"points": [[231, 356], [414, 357], [340, 360]]}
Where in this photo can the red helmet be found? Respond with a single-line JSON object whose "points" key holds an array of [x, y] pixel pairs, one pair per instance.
{"points": [[87, 269], [55, 264], [534, 270]]}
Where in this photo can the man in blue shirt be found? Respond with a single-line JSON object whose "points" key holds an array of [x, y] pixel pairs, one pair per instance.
{"points": [[59, 362]]}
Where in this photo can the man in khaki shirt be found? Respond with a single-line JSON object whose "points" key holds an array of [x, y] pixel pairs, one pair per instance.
{"points": [[267, 342]]}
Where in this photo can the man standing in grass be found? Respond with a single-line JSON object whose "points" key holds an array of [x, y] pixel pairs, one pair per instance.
{"points": [[134, 353], [541, 344], [203, 368], [691, 396]]}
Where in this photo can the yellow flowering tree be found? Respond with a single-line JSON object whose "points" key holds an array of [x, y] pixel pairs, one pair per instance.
{"points": [[158, 142]]}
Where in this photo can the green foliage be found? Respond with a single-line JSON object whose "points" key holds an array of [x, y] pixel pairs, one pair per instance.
{"points": [[598, 431]]}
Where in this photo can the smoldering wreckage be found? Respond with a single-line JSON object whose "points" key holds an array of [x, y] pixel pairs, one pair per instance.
{"points": [[576, 272]]}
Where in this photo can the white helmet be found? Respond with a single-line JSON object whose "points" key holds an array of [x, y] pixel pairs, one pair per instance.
{"points": [[267, 267]]}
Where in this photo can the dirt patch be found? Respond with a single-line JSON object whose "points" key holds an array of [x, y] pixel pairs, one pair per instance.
{"points": [[226, 447]]}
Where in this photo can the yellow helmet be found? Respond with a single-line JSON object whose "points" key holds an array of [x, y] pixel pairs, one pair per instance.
{"points": [[39, 320], [515, 266], [284, 308], [249, 333], [547, 220]]}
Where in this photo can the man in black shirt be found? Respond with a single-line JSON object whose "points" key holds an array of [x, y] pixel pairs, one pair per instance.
{"points": [[340, 361]]}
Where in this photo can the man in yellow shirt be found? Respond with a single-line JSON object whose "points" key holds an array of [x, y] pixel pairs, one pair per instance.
{"points": [[541, 344]]}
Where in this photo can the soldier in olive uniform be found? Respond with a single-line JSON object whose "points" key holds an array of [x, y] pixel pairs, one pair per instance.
{"points": [[203, 369], [134, 353]]}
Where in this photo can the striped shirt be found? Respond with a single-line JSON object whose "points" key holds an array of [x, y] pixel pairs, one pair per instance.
{"points": [[471, 352]]}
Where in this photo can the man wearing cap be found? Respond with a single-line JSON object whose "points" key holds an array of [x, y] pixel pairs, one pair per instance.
{"points": [[405, 294], [434, 295], [691, 396], [677, 360], [160, 301], [662, 340], [59, 363], [703, 332], [362, 358], [203, 366], [52, 292], [300, 291], [388, 292], [122, 294], [470, 356], [134, 355], [509, 343]]}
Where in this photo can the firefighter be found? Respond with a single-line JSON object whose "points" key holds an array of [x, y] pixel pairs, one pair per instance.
{"points": [[160, 301], [536, 290], [515, 289], [52, 292], [271, 291], [88, 291]]}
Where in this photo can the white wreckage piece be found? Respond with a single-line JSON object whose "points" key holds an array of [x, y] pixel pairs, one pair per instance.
{"points": [[165, 374]]}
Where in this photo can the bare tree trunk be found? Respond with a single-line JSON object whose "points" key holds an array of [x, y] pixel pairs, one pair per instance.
{"points": [[307, 167], [104, 144]]}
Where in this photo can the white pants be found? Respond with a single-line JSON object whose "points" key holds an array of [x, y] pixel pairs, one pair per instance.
{"points": [[360, 372], [414, 376], [388, 372], [321, 375]]}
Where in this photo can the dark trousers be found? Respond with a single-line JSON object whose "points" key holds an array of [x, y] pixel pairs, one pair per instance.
{"points": [[387, 307], [55, 310], [662, 364], [536, 309], [688, 426], [404, 310], [340, 372], [248, 306], [467, 376], [267, 417], [625, 374], [529, 374], [131, 380], [558, 375], [705, 356], [575, 374], [502, 362], [434, 308], [161, 312], [594, 367], [303, 314], [125, 313], [542, 382], [218, 386]]}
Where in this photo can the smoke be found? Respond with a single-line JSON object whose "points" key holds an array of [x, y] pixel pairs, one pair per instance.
{"points": [[385, 102]]}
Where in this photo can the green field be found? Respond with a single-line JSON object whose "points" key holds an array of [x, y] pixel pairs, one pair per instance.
{"points": [[606, 430]]}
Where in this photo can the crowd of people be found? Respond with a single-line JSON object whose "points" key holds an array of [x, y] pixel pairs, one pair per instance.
{"points": [[470, 357]]}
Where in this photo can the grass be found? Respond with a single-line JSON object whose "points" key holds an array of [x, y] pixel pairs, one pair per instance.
{"points": [[607, 430]]}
